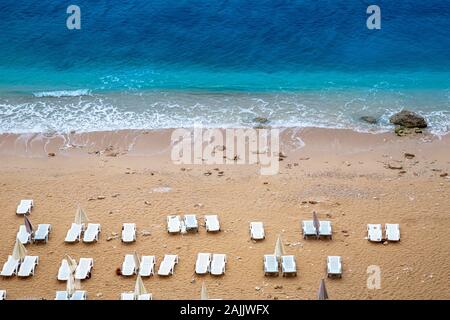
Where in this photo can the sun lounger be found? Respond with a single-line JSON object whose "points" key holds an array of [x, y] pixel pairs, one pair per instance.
{"points": [[374, 232], [203, 263], [392, 232], [2, 294], [212, 223], [218, 263], [74, 233], [79, 295], [84, 268], [61, 295], [28, 266], [308, 229], [270, 265], [325, 229], [64, 271], [167, 266], [334, 266], [190, 222], [127, 296], [147, 266], [257, 231], [129, 232], [25, 207], [10, 267], [145, 296], [129, 266], [173, 224], [92, 232], [42, 233], [288, 266], [23, 236]]}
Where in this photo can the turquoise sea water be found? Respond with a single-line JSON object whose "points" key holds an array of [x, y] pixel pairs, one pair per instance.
{"points": [[160, 64]]}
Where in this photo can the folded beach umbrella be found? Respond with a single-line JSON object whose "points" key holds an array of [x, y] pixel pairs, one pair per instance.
{"points": [[70, 285], [80, 216], [323, 295], [71, 262], [316, 223], [137, 260], [279, 248], [19, 251], [203, 292], [139, 288], [28, 224]]}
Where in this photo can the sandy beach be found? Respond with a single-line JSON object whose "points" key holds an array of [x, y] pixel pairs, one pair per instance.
{"points": [[128, 176]]}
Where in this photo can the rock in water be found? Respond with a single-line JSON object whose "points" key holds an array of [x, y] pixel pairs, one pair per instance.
{"points": [[369, 119], [408, 119], [261, 120]]}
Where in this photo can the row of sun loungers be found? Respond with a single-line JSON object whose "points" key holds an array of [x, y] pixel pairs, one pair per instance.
{"points": [[271, 265], [176, 224], [375, 233], [210, 263], [145, 267], [23, 268], [309, 229], [132, 296], [41, 234], [77, 295], [91, 233]]}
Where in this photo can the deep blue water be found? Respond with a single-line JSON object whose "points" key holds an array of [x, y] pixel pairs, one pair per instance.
{"points": [[260, 47]]}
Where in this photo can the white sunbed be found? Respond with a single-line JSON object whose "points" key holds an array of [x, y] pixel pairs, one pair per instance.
{"points": [[392, 232], [334, 266], [74, 233], [127, 296], [270, 265], [212, 223], [64, 271], [129, 232], [145, 296], [325, 229], [308, 229], [288, 266], [257, 231], [374, 232], [25, 207], [129, 265], [218, 263], [28, 266], [203, 263], [173, 224], [23, 236], [61, 295], [79, 295], [167, 266], [190, 222], [42, 233], [2, 294], [147, 266], [84, 268], [10, 267], [92, 232]]}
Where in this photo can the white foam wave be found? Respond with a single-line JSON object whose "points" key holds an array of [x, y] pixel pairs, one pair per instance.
{"points": [[63, 93]]}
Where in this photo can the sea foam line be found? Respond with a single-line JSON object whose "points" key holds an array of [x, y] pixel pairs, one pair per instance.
{"points": [[63, 93]]}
